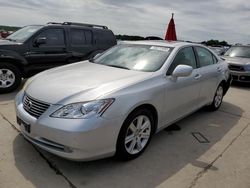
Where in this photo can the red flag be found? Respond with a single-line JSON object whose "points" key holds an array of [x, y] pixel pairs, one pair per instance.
{"points": [[171, 34]]}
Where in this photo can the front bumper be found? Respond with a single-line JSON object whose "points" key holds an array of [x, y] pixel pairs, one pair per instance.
{"points": [[74, 139], [240, 76]]}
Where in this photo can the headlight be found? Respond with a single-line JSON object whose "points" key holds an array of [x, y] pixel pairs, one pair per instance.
{"points": [[83, 110], [247, 67]]}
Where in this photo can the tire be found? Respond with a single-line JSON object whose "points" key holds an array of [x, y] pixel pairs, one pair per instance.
{"points": [[218, 97], [10, 78], [137, 136]]}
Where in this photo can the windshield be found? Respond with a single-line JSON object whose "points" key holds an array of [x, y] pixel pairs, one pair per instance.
{"points": [[239, 51], [135, 57], [24, 33], [217, 50]]}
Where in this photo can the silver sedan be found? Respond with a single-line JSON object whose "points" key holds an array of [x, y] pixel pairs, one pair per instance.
{"points": [[114, 103], [238, 58]]}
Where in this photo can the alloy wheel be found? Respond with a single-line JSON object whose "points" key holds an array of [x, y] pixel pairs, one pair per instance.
{"points": [[218, 96], [138, 134], [7, 78]]}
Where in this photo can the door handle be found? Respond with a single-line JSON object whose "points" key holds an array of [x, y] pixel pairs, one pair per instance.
{"points": [[219, 69], [197, 76]]}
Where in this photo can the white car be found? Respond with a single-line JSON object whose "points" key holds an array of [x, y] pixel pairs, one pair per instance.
{"points": [[114, 103]]}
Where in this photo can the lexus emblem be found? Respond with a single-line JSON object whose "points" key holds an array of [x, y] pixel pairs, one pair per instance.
{"points": [[29, 105]]}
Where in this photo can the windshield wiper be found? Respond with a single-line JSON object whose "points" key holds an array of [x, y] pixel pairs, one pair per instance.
{"points": [[242, 56], [118, 66]]}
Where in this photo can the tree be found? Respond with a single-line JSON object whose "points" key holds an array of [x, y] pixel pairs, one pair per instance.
{"points": [[215, 43]]}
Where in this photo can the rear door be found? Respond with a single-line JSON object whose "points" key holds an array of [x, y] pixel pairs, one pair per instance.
{"points": [[210, 71], [52, 53], [182, 94], [81, 42]]}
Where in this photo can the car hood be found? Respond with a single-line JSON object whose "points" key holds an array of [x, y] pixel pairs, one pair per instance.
{"points": [[81, 81], [7, 42], [237, 60]]}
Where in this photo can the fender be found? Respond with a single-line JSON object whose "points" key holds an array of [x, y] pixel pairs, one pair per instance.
{"points": [[13, 57], [227, 78]]}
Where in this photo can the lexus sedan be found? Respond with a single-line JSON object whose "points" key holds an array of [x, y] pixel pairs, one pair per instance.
{"points": [[238, 58], [114, 103]]}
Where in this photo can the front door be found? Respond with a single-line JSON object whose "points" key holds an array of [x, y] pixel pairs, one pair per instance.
{"points": [[52, 52], [182, 94]]}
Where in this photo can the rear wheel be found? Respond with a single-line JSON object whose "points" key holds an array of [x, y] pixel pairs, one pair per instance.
{"points": [[135, 135], [218, 97], [10, 78]]}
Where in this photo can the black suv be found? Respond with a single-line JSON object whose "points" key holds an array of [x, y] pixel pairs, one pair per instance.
{"points": [[39, 47]]}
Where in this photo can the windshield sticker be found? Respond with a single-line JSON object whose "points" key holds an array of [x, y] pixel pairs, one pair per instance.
{"points": [[31, 30], [163, 49]]}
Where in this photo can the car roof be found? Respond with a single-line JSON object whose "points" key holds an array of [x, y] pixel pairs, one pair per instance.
{"points": [[73, 24], [164, 43]]}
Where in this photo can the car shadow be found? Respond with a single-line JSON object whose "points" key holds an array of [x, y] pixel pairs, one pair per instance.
{"points": [[168, 153], [8, 97]]}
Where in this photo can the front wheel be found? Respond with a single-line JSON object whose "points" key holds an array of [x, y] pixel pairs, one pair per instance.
{"points": [[218, 97], [10, 78], [135, 135]]}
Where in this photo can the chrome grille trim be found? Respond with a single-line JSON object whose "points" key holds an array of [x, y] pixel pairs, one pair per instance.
{"points": [[33, 106], [234, 67]]}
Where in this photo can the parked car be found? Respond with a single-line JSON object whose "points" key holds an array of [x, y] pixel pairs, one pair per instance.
{"points": [[218, 50], [113, 104], [238, 58], [36, 48]]}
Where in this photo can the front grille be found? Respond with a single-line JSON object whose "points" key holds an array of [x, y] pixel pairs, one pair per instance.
{"points": [[34, 107], [236, 68], [245, 78]]}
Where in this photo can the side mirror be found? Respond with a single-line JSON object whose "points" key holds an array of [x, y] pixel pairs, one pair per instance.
{"points": [[41, 40], [182, 71]]}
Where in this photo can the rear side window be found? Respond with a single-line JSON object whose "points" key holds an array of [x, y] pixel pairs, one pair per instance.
{"points": [[88, 36], [54, 37], [205, 57], [80, 37], [105, 37], [184, 57]]}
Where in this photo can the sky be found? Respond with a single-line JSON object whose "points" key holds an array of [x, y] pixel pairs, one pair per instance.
{"points": [[195, 20]]}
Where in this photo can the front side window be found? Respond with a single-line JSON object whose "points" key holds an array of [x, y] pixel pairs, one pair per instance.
{"points": [[144, 58], [184, 57], [239, 51], [54, 37], [205, 57]]}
